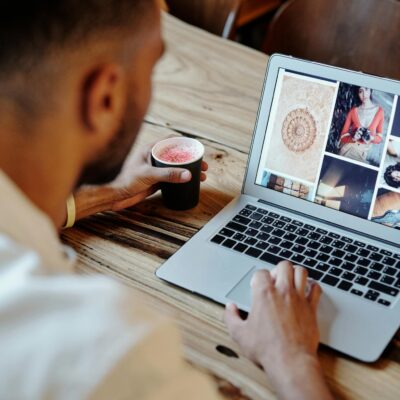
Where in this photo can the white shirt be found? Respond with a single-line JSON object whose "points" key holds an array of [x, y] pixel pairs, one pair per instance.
{"points": [[63, 336]]}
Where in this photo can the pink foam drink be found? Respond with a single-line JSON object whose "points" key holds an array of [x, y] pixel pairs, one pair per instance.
{"points": [[178, 153]]}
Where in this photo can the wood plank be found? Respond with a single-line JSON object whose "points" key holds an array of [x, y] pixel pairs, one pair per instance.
{"points": [[198, 93]]}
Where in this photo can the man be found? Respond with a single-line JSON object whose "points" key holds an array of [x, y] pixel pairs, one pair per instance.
{"points": [[75, 83]]}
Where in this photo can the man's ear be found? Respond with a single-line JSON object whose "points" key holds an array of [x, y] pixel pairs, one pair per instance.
{"points": [[104, 102]]}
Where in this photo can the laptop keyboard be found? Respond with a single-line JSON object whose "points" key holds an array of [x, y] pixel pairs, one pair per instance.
{"points": [[350, 265]]}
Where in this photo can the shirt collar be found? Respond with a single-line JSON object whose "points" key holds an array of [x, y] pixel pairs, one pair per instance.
{"points": [[22, 221]]}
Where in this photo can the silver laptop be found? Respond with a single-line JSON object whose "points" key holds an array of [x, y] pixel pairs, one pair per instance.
{"points": [[322, 189]]}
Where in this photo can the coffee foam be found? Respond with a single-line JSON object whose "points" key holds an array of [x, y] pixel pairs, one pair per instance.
{"points": [[178, 150]]}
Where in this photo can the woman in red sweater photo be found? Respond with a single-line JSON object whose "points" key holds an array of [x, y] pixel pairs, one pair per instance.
{"points": [[363, 128]]}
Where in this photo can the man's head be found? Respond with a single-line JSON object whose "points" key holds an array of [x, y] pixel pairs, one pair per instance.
{"points": [[75, 79]]}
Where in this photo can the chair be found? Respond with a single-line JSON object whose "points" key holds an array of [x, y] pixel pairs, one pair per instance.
{"points": [[215, 16], [355, 34]]}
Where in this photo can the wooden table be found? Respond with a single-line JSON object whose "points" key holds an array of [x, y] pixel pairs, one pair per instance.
{"points": [[207, 88]]}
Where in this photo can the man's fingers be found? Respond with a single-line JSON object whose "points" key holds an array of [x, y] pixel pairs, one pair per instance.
{"points": [[204, 166], [171, 175], [314, 295], [261, 284], [300, 280], [203, 177], [284, 276], [233, 320]]}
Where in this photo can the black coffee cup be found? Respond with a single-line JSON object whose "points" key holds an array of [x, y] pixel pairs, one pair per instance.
{"points": [[180, 196]]}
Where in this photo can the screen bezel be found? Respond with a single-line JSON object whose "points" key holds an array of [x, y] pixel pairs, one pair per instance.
{"points": [[313, 210]]}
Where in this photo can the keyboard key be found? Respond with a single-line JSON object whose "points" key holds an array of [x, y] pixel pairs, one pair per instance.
{"points": [[371, 295], [274, 249], [335, 271], [273, 215], [374, 275], [279, 224], [314, 236], [250, 241], [302, 240], [345, 285], [226, 232], [251, 251], [297, 248], [330, 280], [310, 227], [240, 247], [322, 257], [357, 292], [338, 244], [346, 239], [361, 271], [397, 284], [326, 249], [384, 302], [398, 265], [250, 207], [298, 223], [335, 261], [255, 225], [245, 212], [303, 232], [321, 231], [256, 216], [359, 244], [376, 256], [262, 211], [364, 262], [322, 267], [218, 239], [242, 220], [229, 243], [314, 245], [377, 266], [290, 236], [387, 279], [363, 252], [263, 236], [274, 240], [286, 244], [348, 266], [326, 240], [267, 220], [285, 219], [361, 280], [291, 228], [388, 261], [310, 253], [262, 245], [266, 229], [338, 253], [297, 258], [334, 235], [309, 262], [236, 227], [313, 274], [278, 232], [251, 232], [348, 276], [271, 258], [386, 252], [372, 248], [350, 248], [380, 287], [286, 254], [390, 271], [350, 257], [239, 237]]}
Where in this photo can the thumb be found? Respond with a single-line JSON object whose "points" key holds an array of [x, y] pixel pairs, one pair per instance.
{"points": [[170, 175], [233, 320]]}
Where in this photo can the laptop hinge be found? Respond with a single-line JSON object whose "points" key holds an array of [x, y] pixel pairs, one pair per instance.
{"points": [[332, 224]]}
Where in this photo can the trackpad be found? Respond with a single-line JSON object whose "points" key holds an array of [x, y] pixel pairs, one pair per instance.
{"points": [[241, 293]]}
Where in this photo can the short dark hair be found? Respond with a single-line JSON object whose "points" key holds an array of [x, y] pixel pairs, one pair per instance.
{"points": [[30, 28]]}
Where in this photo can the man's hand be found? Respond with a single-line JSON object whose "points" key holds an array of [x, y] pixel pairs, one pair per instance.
{"points": [[281, 332], [139, 179]]}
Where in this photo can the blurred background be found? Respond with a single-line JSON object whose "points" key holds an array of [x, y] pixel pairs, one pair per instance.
{"points": [[362, 35]]}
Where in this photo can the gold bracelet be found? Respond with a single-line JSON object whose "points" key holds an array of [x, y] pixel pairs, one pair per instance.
{"points": [[71, 212]]}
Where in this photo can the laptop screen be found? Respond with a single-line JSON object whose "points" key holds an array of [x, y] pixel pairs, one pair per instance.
{"points": [[334, 144]]}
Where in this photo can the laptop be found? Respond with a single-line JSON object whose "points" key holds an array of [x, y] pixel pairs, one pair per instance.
{"points": [[321, 189]]}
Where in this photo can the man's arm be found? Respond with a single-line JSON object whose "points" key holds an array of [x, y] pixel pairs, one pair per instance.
{"points": [[281, 332]]}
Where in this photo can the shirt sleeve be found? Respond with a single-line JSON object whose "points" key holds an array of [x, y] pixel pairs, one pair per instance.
{"points": [[71, 337], [346, 127]]}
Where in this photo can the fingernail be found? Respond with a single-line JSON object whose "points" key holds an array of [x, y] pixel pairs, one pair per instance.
{"points": [[186, 175], [230, 306]]}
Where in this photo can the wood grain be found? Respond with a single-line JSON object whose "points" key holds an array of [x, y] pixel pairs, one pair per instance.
{"points": [[196, 93]]}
